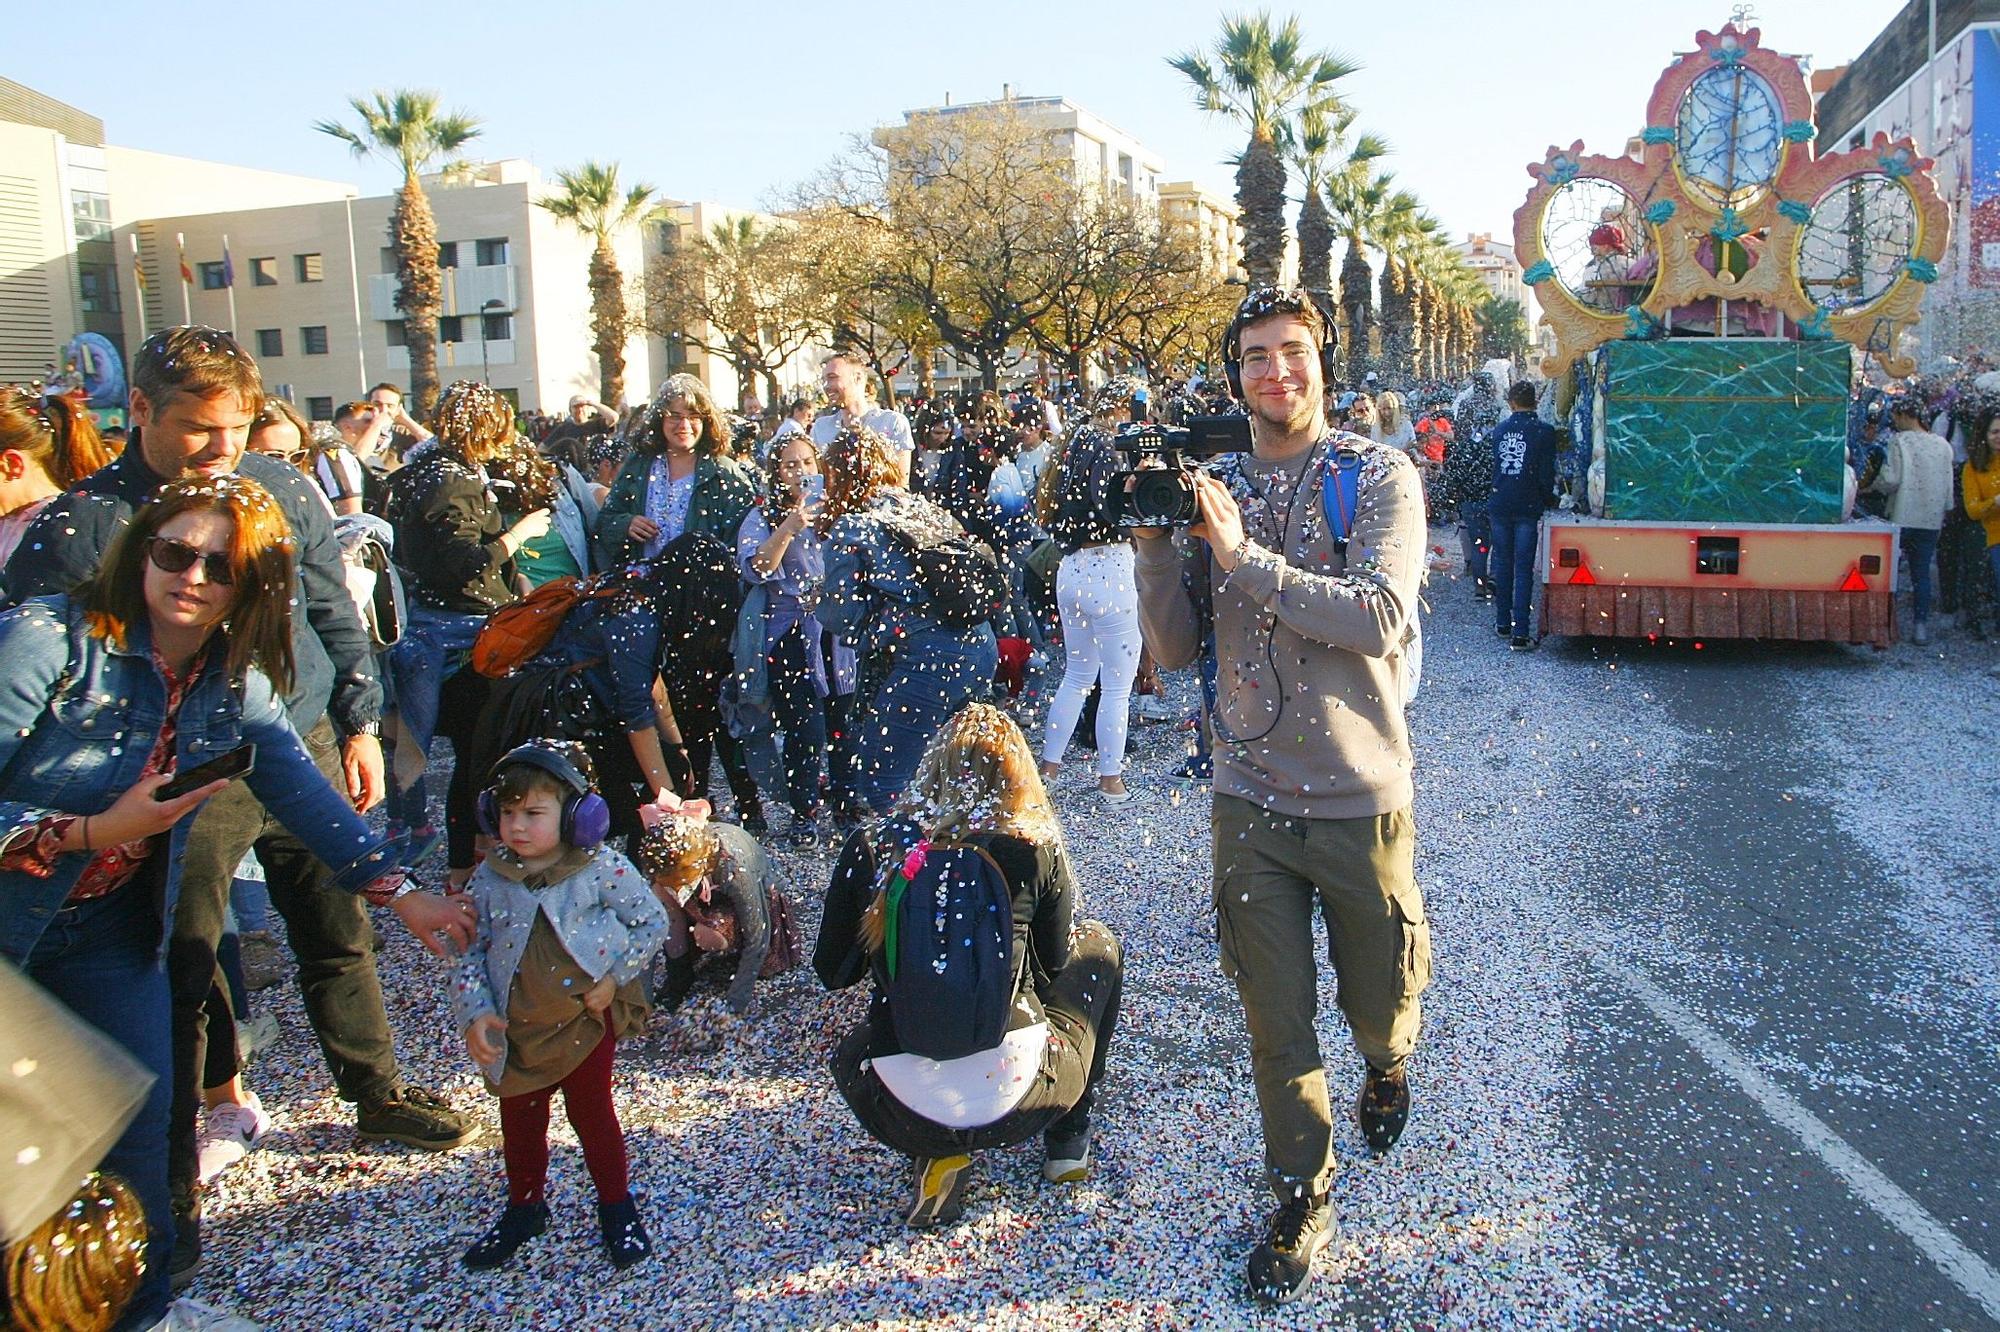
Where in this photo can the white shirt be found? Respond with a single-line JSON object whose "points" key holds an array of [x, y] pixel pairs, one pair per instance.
{"points": [[887, 422]]}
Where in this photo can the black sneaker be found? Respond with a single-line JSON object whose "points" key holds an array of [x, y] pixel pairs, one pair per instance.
{"points": [[940, 1193], [517, 1225], [625, 1241], [1503, 631], [1066, 1160], [750, 813], [1383, 1107], [186, 1259], [1280, 1267], [1521, 643], [415, 1118]]}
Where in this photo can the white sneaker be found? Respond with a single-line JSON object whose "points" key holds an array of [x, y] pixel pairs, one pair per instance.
{"points": [[1123, 797], [257, 1033], [1922, 636], [1151, 708], [228, 1134], [186, 1315]]}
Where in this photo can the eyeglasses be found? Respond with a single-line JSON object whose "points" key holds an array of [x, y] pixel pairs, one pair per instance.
{"points": [[1258, 364], [171, 556]]}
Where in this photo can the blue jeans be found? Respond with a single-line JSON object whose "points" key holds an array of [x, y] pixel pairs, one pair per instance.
{"points": [[1920, 548], [100, 958], [1475, 534], [1513, 573], [934, 675]]}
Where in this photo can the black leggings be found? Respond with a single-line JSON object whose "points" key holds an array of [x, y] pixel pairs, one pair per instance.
{"points": [[461, 699]]}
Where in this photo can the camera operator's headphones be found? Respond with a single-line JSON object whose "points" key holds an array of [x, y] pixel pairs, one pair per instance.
{"points": [[1262, 304], [586, 818]]}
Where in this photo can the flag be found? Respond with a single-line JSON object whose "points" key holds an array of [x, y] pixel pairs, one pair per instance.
{"points": [[187, 274], [138, 269], [228, 268]]}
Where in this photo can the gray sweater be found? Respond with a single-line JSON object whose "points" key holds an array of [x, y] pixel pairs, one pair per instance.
{"points": [[1309, 639]]}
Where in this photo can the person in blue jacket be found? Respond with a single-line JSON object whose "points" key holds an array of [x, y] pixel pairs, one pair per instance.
{"points": [[1524, 481], [108, 692]]}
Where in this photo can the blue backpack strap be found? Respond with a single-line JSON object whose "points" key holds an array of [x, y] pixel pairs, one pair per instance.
{"points": [[1340, 492]]}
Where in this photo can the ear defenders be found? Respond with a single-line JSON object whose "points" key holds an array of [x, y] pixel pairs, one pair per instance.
{"points": [[586, 818], [1232, 345]]}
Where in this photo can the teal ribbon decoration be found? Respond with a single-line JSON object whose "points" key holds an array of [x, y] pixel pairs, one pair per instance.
{"points": [[1801, 131], [1726, 55], [1659, 134], [1923, 270], [1795, 211], [1563, 170], [1659, 211], [1539, 271], [1728, 227], [1639, 326], [1816, 328], [1896, 165]]}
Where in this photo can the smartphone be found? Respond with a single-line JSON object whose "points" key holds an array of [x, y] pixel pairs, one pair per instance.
{"points": [[230, 766], [814, 488]]}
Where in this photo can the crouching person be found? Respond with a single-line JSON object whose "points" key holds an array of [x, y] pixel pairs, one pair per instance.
{"points": [[981, 1035], [566, 926]]}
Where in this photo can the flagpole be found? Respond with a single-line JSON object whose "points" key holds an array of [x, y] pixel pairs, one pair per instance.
{"points": [[229, 284], [181, 244], [139, 281]]}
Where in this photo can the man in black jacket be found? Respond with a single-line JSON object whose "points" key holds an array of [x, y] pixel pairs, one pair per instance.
{"points": [[194, 394]]}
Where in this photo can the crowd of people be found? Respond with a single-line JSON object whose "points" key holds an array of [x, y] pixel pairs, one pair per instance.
{"points": [[235, 638]]}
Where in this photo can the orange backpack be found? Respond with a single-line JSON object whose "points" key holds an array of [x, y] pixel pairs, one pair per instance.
{"points": [[518, 633]]}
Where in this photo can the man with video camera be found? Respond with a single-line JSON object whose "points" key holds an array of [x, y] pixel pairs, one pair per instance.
{"points": [[1312, 754]]}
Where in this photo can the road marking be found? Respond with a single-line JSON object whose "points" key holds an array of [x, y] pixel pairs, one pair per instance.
{"points": [[1966, 1269]]}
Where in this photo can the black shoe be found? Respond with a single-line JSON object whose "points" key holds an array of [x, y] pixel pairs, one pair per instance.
{"points": [[186, 1259], [1280, 1266], [940, 1191], [1521, 643], [415, 1118], [849, 815], [517, 1225], [1504, 631], [1383, 1107], [803, 830], [625, 1241], [750, 813]]}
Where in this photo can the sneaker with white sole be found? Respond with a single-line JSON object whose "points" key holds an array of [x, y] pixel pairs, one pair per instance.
{"points": [[1066, 1160], [1151, 708], [230, 1132]]}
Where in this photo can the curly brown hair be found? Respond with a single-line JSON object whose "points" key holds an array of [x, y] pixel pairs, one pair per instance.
{"points": [[860, 464], [715, 433], [474, 423]]}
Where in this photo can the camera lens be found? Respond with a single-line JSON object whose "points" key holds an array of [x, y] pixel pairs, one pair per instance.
{"points": [[1163, 498]]}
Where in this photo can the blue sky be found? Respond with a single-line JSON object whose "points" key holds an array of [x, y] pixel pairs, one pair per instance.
{"points": [[735, 102]]}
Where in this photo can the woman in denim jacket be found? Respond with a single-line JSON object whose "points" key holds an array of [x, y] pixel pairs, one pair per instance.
{"points": [[106, 694], [913, 671]]}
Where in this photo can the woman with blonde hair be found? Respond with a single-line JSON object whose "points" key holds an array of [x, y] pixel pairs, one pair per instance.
{"points": [[975, 806], [1393, 425], [913, 669]]}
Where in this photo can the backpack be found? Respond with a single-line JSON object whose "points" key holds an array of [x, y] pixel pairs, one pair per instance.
{"points": [[947, 964], [1339, 495], [963, 585], [373, 580], [517, 634]]}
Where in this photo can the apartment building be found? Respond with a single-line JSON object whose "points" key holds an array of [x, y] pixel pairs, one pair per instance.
{"points": [[1213, 221], [1103, 153]]}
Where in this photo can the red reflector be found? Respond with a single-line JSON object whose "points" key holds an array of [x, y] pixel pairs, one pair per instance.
{"points": [[1583, 577], [1854, 582]]}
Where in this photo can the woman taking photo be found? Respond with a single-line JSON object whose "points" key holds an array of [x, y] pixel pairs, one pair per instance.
{"points": [[110, 692], [779, 554], [457, 552], [975, 788], [1096, 591], [913, 670], [47, 445]]}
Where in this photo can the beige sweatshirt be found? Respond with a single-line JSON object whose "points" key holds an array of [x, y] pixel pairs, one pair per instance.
{"points": [[1309, 682]]}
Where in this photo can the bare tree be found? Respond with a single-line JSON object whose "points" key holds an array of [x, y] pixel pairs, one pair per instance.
{"points": [[1118, 263]]}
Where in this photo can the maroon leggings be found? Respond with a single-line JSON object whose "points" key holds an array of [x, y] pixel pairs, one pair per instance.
{"points": [[524, 1131]]}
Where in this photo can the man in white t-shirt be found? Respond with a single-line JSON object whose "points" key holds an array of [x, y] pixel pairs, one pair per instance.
{"points": [[846, 380]]}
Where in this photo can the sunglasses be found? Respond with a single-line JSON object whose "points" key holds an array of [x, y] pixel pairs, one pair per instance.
{"points": [[171, 556]]}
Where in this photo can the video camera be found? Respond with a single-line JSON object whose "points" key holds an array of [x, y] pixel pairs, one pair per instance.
{"points": [[1163, 496]]}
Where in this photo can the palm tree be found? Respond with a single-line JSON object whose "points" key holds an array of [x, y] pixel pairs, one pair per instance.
{"points": [[1401, 235], [1262, 75], [410, 129], [1363, 206], [591, 202], [1322, 132]]}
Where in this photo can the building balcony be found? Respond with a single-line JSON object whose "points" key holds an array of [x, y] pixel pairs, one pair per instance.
{"points": [[466, 291]]}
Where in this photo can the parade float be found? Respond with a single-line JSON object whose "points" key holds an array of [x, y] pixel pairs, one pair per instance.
{"points": [[1714, 293]]}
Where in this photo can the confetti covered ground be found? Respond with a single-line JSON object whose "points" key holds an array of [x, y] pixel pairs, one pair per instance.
{"points": [[1788, 844]]}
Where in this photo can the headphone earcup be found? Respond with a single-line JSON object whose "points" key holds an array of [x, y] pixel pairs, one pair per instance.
{"points": [[586, 821], [488, 811], [1234, 374]]}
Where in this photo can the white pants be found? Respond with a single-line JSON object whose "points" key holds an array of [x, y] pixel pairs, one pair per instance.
{"points": [[1099, 601]]}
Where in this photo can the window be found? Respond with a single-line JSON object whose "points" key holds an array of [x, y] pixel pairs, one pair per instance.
{"points": [[91, 213], [312, 339], [270, 342], [319, 409], [448, 254], [388, 258], [497, 327], [491, 252], [451, 328], [311, 269], [97, 284], [264, 272], [397, 332], [211, 277]]}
